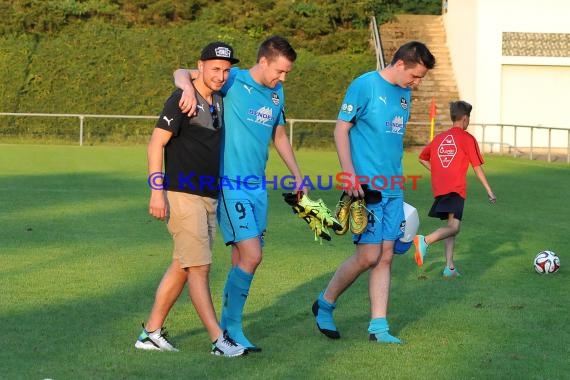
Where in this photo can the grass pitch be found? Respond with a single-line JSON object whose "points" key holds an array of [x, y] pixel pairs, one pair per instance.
{"points": [[80, 260]]}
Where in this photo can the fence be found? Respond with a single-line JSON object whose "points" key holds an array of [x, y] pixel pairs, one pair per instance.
{"points": [[494, 138], [81, 118], [524, 139], [516, 140]]}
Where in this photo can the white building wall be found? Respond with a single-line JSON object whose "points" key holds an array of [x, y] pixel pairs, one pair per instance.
{"points": [[474, 30], [461, 36]]}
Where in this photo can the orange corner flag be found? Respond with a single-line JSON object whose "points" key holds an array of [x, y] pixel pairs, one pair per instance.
{"points": [[432, 109], [432, 112]]}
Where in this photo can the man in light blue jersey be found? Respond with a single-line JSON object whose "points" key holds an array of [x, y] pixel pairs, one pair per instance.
{"points": [[369, 136], [253, 115]]}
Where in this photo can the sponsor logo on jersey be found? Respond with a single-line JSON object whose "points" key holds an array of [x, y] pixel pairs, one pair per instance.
{"points": [[348, 108], [168, 121], [396, 125], [264, 116], [248, 88]]}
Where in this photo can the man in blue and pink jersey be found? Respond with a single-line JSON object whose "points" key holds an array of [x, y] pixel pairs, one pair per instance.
{"points": [[369, 136], [253, 116], [448, 157]]}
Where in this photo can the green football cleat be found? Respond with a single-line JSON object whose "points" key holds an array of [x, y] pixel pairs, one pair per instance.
{"points": [[316, 226], [319, 210]]}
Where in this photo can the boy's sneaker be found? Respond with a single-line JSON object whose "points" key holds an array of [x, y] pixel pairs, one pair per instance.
{"points": [[342, 213], [449, 273], [226, 346], [358, 219], [156, 340], [421, 249]]}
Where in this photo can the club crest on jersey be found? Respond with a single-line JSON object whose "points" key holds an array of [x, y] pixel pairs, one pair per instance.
{"points": [[446, 150], [275, 98], [404, 103]]}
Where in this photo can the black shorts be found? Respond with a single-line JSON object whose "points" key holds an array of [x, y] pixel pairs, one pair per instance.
{"points": [[443, 205]]}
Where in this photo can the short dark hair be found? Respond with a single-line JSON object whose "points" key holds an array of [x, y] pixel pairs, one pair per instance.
{"points": [[275, 46], [412, 53], [459, 109]]}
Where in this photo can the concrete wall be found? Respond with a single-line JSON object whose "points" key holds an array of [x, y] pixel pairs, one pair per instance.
{"points": [[461, 33], [487, 78]]}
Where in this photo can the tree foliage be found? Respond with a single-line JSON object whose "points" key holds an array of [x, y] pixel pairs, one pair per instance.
{"points": [[117, 56], [316, 24]]}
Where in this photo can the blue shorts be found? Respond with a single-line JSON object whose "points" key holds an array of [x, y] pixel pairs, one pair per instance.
{"points": [[242, 212], [384, 222]]}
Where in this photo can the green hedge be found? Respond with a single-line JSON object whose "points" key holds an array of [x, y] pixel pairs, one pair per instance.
{"points": [[109, 57]]}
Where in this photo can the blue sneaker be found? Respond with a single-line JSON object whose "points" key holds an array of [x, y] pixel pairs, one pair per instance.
{"points": [[421, 249], [450, 273]]}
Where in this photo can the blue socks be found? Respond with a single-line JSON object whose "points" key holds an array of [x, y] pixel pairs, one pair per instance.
{"points": [[235, 294], [378, 330], [322, 310]]}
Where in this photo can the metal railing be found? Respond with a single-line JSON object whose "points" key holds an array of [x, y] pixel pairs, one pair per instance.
{"points": [[504, 142], [81, 118], [502, 139], [533, 148], [377, 44], [292, 122]]}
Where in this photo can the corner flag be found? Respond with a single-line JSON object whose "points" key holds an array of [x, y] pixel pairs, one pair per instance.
{"points": [[432, 113]]}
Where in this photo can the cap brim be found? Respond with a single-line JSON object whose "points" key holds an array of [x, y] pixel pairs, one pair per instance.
{"points": [[233, 61]]}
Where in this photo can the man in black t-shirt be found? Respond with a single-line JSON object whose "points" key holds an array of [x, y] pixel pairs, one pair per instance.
{"points": [[185, 195]]}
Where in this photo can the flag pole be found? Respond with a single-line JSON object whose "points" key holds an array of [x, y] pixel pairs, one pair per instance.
{"points": [[432, 113]]}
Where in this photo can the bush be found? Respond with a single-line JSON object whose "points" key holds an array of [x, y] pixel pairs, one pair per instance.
{"points": [[117, 57]]}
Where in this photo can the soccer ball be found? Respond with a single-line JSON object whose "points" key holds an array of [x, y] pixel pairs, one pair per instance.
{"points": [[546, 262]]}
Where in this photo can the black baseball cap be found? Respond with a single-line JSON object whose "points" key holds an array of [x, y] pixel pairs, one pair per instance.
{"points": [[218, 50]]}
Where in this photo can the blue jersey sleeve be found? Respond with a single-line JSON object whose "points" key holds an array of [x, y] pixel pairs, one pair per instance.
{"points": [[354, 102]]}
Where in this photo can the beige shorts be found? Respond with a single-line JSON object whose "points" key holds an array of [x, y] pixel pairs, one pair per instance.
{"points": [[192, 224]]}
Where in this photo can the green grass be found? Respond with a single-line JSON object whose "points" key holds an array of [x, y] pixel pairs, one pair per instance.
{"points": [[80, 260]]}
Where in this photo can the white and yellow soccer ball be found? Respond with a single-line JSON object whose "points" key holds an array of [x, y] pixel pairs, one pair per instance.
{"points": [[546, 262]]}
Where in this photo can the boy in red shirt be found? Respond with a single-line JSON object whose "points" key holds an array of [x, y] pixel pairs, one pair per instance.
{"points": [[448, 157]]}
